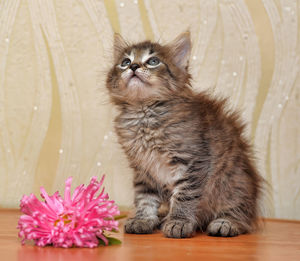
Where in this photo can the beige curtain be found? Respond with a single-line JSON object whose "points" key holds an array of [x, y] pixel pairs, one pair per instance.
{"points": [[55, 115]]}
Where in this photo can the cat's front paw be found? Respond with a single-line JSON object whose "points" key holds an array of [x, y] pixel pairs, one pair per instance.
{"points": [[140, 226], [178, 228]]}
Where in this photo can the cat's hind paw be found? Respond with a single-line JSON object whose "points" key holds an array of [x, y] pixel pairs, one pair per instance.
{"points": [[222, 227]]}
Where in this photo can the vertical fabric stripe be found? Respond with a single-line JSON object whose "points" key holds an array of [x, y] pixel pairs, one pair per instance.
{"points": [[145, 20], [112, 13]]}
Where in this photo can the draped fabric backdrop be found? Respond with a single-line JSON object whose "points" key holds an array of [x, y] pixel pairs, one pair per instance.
{"points": [[55, 115]]}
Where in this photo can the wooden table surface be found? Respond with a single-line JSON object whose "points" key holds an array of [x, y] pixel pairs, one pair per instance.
{"points": [[278, 240]]}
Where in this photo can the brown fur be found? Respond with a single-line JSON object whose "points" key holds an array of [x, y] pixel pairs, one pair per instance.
{"points": [[186, 150]]}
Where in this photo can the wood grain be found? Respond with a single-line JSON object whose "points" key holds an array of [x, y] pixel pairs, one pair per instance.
{"points": [[277, 240]]}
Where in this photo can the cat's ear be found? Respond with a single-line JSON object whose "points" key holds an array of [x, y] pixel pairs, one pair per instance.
{"points": [[181, 49], [119, 45]]}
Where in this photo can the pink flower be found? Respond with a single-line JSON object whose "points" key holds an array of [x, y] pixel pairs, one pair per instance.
{"points": [[77, 220]]}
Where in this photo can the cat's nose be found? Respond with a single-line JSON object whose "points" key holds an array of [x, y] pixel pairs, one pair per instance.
{"points": [[134, 66]]}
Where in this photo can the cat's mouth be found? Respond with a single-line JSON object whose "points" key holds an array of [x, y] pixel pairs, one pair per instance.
{"points": [[136, 79]]}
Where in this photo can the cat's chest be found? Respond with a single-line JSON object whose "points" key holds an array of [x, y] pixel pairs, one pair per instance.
{"points": [[142, 135], [141, 131]]}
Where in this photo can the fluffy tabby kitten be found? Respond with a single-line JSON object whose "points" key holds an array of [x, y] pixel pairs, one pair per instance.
{"points": [[184, 148]]}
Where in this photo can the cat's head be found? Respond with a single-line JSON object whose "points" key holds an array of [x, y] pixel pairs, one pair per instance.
{"points": [[149, 71]]}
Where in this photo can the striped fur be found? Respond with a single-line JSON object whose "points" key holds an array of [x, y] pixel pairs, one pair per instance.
{"points": [[186, 150]]}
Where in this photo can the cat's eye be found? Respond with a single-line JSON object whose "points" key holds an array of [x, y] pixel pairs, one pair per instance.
{"points": [[126, 62], [153, 61]]}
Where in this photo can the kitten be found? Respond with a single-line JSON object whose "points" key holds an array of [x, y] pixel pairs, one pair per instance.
{"points": [[185, 149]]}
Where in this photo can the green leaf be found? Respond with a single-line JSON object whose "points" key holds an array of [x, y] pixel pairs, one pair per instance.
{"points": [[120, 217], [111, 241]]}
